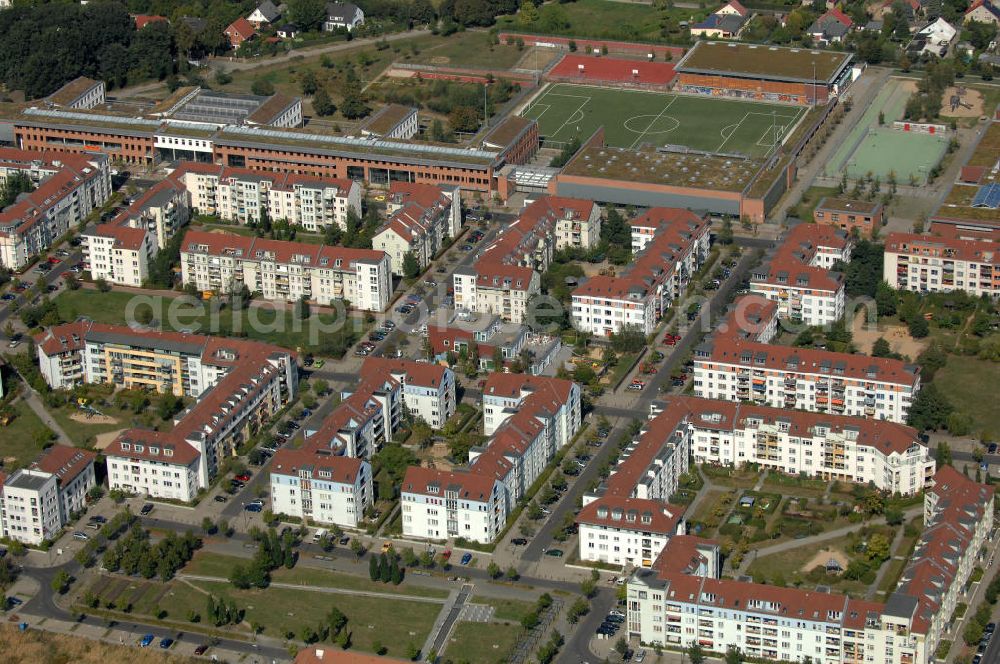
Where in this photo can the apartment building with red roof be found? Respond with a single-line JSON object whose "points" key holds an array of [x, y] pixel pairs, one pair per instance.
{"points": [[38, 501], [420, 218], [236, 385], [799, 276], [493, 344], [682, 600], [508, 271], [805, 378], [67, 188], [751, 317], [316, 484], [886, 455], [941, 264], [119, 254], [668, 246], [441, 504], [243, 195], [286, 270]]}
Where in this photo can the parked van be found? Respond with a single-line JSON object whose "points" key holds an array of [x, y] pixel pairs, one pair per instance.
{"points": [[319, 534]]}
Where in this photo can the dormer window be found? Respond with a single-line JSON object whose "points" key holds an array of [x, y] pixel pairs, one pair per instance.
{"points": [[139, 448], [126, 446], [154, 450]]}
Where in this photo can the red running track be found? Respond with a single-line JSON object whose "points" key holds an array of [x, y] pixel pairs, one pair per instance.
{"points": [[612, 70]]}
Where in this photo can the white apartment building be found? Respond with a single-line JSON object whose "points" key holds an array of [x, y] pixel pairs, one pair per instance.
{"points": [[363, 422], [67, 188], [155, 464], [671, 243], [280, 270], [628, 520], [682, 600], [37, 501], [238, 385], [629, 532], [931, 264], [799, 277], [161, 210], [882, 454], [751, 318], [245, 196], [805, 379], [440, 505], [421, 217], [508, 272], [506, 394], [119, 254], [428, 389], [317, 486]]}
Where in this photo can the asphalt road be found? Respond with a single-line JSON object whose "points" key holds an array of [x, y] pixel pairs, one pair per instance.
{"points": [[52, 276]]}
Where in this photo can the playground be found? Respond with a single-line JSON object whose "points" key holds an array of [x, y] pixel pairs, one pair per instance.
{"points": [[633, 118]]}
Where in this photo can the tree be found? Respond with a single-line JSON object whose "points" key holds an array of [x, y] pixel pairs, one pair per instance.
{"points": [[102, 285], [733, 655], [894, 516], [878, 548], [353, 105], [374, 569], [464, 118], [494, 570], [323, 106], [725, 235], [512, 574], [411, 266], [695, 653], [621, 646], [943, 454], [886, 299], [881, 348], [919, 327], [580, 607], [262, 87], [527, 14], [930, 409], [61, 581], [308, 15]]}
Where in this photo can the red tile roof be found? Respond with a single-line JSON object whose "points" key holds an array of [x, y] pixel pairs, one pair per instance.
{"points": [[748, 318], [423, 374], [279, 251], [343, 469], [910, 244], [125, 237], [142, 20], [182, 453], [65, 462], [470, 486], [624, 513], [241, 28], [811, 361], [67, 338]]}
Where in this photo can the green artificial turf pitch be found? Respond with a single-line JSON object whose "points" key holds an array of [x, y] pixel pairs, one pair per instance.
{"points": [[632, 118]]}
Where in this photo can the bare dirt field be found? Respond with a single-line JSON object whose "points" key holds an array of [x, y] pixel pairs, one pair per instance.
{"points": [[102, 440], [823, 557], [972, 101], [898, 337], [84, 418]]}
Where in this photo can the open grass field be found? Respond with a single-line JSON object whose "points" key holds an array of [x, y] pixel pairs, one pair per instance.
{"points": [[265, 323], [483, 643], [21, 440], [632, 118], [394, 623], [965, 380]]}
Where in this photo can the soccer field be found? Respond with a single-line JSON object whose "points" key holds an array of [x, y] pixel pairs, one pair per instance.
{"points": [[632, 118]]}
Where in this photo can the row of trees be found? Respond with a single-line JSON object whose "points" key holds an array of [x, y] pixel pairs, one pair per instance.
{"points": [[273, 551], [133, 554], [385, 568]]}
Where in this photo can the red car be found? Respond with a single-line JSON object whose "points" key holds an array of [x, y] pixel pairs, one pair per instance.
{"points": [[55, 260], [243, 477], [447, 554], [670, 339]]}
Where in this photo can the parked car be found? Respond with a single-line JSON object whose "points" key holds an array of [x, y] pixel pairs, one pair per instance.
{"points": [[166, 642], [146, 640], [617, 613], [7, 297], [344, 540], [221, 499], [244, 476], [636, 385], [466, 559], [614, 618], [80, 535], [253, 507], [97, 518], [519, 541], [146, 509], [201, 650], [555, 553]]}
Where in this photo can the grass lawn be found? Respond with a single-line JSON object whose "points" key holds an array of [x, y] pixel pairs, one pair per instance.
{"points": [[791, 561], [206, 563], [22, 439], [483, 643], [965, 380], [505, 609], [393, 623], [469, 49], [810, 199], [741, 478], [708, 505], [622, 367], [276, 326], [607, 20], [634, 117], [300, 236]]}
